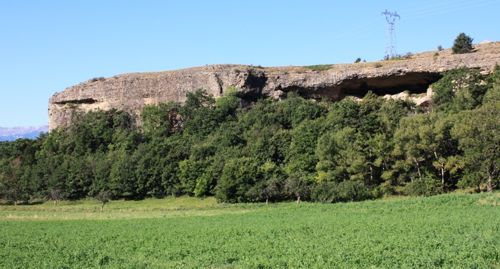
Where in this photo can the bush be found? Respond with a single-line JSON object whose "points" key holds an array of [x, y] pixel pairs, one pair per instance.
{"points": [[406, 56], [331, 192], [104, 197], [55, 195], [429, 185], [14, 196], [319, 67], [97, 79], [324, 192], [462, 44], [382, 190], [352, 191]]}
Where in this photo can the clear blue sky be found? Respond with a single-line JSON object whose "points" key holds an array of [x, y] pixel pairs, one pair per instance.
{"points": [[46, 46]]}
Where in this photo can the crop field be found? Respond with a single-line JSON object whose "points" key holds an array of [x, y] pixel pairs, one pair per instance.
{"points": [[447, 231]]}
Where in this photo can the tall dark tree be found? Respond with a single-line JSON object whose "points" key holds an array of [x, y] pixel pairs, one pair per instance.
{"points": [[478, 136], [462, 44]]}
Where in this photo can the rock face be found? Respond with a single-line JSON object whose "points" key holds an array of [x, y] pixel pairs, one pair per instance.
{"points": [[131, 92]]}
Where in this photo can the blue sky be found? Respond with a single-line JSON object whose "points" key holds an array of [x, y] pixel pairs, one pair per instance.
{"points": [[46, 46]]}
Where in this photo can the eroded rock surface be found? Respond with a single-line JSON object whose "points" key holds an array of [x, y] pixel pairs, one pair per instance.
{"points": [[131, 92]]}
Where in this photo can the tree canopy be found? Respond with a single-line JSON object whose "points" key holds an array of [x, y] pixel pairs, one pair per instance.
{"points": [[294, 149]]}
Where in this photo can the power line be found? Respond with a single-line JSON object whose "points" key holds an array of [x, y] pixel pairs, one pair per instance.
{"points": [[447, 8]]}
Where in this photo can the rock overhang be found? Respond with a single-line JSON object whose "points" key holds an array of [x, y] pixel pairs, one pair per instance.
{"points": [[131, 92]]}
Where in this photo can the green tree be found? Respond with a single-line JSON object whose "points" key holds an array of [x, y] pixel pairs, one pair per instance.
{"points": [[172, 151], [301, 157], [14, 186], [409, 147], [190, 171], [78, 177], [459, 89], [478, 135], [270, 188], [123, 182], [298, 185], [161, 120], [17, 173], [340, 157], [101, 166], [228, 104], [462, 44], [238, 177], [425, 143]]}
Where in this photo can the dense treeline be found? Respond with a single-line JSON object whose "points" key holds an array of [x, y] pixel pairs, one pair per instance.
{"points": [[270, 151]]}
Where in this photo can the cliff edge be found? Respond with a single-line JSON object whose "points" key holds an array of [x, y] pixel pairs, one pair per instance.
{"points": [[131, 92]]}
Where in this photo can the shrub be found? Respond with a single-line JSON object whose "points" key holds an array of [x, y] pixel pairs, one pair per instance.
{"points": [[104, 197], [429, 185], [440, 48], [435, 56], [14, 196], [357, 60], [462, 44], [324, 192], [352, 191], [406, 56], [382, 190], [97, 79], [55, 195], [319, 67], [331, 192]]}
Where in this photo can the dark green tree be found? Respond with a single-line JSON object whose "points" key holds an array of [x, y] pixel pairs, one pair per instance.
{"points": [[478, 135], [238, 177], [298, 186], [459, 89], [462, 44], [161, 120]]}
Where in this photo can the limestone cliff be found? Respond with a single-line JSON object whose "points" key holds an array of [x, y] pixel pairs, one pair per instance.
{"points": [[131, 92]]}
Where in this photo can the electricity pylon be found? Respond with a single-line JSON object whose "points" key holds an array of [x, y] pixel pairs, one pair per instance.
{"points": [[391, 17]]}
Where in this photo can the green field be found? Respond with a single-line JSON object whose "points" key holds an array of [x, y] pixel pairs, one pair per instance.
{"points": [[450, 231]]}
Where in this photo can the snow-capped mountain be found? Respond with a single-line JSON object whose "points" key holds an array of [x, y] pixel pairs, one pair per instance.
{"points": [[13, 133]]}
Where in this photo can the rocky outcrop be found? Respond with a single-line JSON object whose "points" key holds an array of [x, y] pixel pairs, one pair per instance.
{"points": [[131, 92]]}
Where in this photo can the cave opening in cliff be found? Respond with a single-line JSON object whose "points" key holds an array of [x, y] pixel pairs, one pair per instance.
{"points": [[414, 83], [77, 101], [254, 83]]}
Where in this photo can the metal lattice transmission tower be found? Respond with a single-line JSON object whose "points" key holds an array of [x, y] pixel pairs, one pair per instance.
{"points": [[391, 17]]}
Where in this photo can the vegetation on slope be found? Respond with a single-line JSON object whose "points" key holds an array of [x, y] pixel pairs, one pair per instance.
{"points": [[295, 149]]}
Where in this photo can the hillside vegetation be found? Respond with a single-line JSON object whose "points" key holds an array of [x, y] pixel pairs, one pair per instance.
{"points": [[295, 149], [445, 231]]}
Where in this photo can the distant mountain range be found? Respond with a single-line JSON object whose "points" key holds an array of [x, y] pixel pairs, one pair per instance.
{"points": [[13, 133]]}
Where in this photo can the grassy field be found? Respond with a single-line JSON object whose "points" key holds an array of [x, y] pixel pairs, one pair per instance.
{"points": [[450, 231]]}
